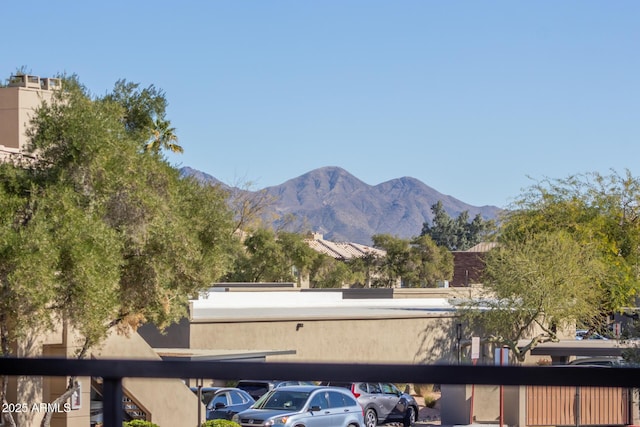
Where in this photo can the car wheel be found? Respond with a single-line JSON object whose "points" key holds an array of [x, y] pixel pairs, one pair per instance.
{"points": [[370, 418], [410, 417]]}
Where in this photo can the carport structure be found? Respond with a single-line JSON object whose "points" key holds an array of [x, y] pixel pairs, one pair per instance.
{"points": [[576, 405]]}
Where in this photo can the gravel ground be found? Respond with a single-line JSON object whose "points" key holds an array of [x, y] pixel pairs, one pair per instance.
{"points": [[428, 416]]}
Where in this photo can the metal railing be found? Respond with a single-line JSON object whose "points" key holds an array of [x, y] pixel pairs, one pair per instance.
{"points": [[113, 371]]}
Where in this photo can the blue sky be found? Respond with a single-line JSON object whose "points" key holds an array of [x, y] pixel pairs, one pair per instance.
{"points": [[474, 98]]}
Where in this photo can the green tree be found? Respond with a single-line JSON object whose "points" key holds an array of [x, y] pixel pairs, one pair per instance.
{"points": [[263, 260], [141, 107], [328, 272], [430, 264], [298, 253], [271, 257], [364, 268], [163, 137], [414, 263], [396, 263], [27, 257], [532, 287], [456, 234], [99, 234], [595, 209]]}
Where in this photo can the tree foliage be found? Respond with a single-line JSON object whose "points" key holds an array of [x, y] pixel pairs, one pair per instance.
{"points": [[456, 234], [98, 233], [163, 137], [395, 264], [535, 286], [429, 262], [594, 209], [271, 257], [568, 255], [414, 263]]}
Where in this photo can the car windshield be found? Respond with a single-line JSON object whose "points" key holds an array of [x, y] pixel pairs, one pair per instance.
{"points": [[283, 399]]}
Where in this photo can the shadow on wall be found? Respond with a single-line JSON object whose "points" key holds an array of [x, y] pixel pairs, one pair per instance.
{"points": [[439, 343]]}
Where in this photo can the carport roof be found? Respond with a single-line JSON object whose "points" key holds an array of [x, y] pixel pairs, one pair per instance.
{"points": [[209, 354], [565, 348]]}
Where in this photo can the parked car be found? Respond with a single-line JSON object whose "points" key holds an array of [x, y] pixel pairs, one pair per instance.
{"points": [[607, 361], [584, 334], [257, 388], [382, 402], [303, 405], [96, 413], [224, 402]]}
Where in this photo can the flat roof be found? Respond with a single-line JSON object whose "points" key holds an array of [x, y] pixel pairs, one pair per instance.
{"points": [[292, 306]]}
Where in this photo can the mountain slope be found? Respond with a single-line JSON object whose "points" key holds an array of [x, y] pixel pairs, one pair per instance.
{"points": [[333, 202]]}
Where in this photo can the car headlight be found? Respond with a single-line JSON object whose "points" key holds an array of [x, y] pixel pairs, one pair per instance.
{"points": [[235, 419], [277, 421]]}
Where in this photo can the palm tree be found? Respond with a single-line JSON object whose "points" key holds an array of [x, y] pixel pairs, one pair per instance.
{"points": [[163, 137]]}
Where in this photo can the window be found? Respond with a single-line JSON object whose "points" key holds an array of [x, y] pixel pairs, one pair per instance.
{"points": [[319, 400], [236, 398], [374, 388], [341, 400], [336, 400], [221, 398], [389, 389]]}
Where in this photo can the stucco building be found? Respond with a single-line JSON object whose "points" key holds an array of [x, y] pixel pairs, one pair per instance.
{"points": [[18, 101]]}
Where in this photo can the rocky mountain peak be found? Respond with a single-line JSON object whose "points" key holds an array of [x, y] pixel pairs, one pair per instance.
{"points": [[343, 208]]}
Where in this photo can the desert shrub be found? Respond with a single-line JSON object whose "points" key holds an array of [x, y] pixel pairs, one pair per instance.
{"points": [[139, 423], [430, 400], [220, 423], [427, 391], [423, 389]]}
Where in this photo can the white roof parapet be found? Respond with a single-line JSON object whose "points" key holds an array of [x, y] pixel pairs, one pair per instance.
{"points": [[296, 306]]}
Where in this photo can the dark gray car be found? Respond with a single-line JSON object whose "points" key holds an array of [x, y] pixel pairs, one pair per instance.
{"points": [[382, 402], [308, 406]]}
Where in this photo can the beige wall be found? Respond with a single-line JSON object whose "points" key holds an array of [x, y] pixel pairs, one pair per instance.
{"points": [[9, 117], [169, 401], [403, 340], [17, 105]]}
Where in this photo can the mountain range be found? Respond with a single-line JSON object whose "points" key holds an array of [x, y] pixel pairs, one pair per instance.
{"points": [[331, 201]]}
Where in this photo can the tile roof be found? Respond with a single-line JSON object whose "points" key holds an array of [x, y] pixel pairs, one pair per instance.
{"points": [[343, 250], [482, 247]]}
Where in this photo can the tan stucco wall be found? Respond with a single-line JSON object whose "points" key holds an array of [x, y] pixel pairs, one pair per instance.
{"points": [[33, 393], [403, 340], [17, 105], [9, 117], [169, 401]]}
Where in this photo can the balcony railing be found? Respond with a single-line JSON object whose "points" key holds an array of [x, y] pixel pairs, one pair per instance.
{"points": [[113, 371]]}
